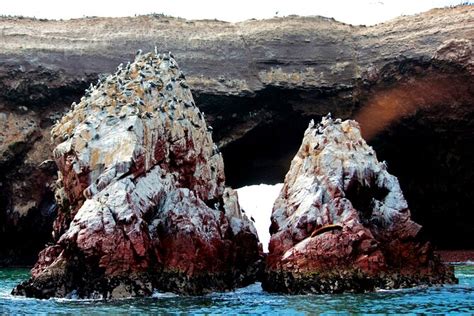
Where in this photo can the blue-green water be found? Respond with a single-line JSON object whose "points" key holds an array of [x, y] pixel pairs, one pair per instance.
{"points": [[252, 300]]}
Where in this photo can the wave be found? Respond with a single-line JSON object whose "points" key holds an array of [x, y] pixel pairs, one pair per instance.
{"points": [[462, 263], [157, 294], [464, 275]]}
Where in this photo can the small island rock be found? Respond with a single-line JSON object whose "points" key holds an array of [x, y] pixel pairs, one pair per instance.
{"points": [[341, 222], [143, 205]]}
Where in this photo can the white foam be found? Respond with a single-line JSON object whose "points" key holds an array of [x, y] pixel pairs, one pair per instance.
{"points": [[257, 201], [157, 294]]}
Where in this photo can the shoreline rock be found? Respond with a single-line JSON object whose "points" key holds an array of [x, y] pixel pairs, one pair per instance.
{"points": [[141, 195], [341, 222]]}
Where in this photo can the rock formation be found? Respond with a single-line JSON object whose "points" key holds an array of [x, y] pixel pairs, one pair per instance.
{"points": [[341, 222], [142, 202], [259, 82]]}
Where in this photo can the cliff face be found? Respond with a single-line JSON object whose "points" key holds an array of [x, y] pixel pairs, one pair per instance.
{"points": [[259, 82], [341, 222]]}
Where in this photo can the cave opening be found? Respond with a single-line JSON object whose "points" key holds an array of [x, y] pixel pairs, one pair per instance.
{"points": [[434, 163], [362, 197], [268, 128], [264, 154]]}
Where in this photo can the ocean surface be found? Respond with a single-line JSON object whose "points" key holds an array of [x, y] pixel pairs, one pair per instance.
{"points": [[452, 299]]}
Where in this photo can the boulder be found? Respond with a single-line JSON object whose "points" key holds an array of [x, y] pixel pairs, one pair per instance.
{"points": [[141, 195], [341, 222]]}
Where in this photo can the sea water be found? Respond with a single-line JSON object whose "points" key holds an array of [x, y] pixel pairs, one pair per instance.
{"points": [[449, 299]]}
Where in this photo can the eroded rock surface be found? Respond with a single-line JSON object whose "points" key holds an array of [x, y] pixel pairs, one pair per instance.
{"points": [[341, 222], [27, 206], [141, 195]]}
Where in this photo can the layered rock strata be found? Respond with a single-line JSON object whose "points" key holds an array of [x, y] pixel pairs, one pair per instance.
{"points": [[141, 195], [341, 222]]}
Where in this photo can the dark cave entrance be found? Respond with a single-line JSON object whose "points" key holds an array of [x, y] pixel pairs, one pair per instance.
{"points": [[265, 153], [434, 163], [362, 198], [278, 118]]}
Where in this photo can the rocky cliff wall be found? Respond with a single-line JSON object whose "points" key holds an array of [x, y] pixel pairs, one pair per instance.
{"points": [[259, 83]]}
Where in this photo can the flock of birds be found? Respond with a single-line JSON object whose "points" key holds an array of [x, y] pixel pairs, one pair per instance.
{"points": [[322, 138], [152, 85]]}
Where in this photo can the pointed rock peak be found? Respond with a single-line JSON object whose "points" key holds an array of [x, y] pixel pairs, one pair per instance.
{"points": [[134, 119], [141, 191], [341, 222]]}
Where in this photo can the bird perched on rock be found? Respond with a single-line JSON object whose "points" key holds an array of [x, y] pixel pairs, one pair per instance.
{"points": [[215, 150]]}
